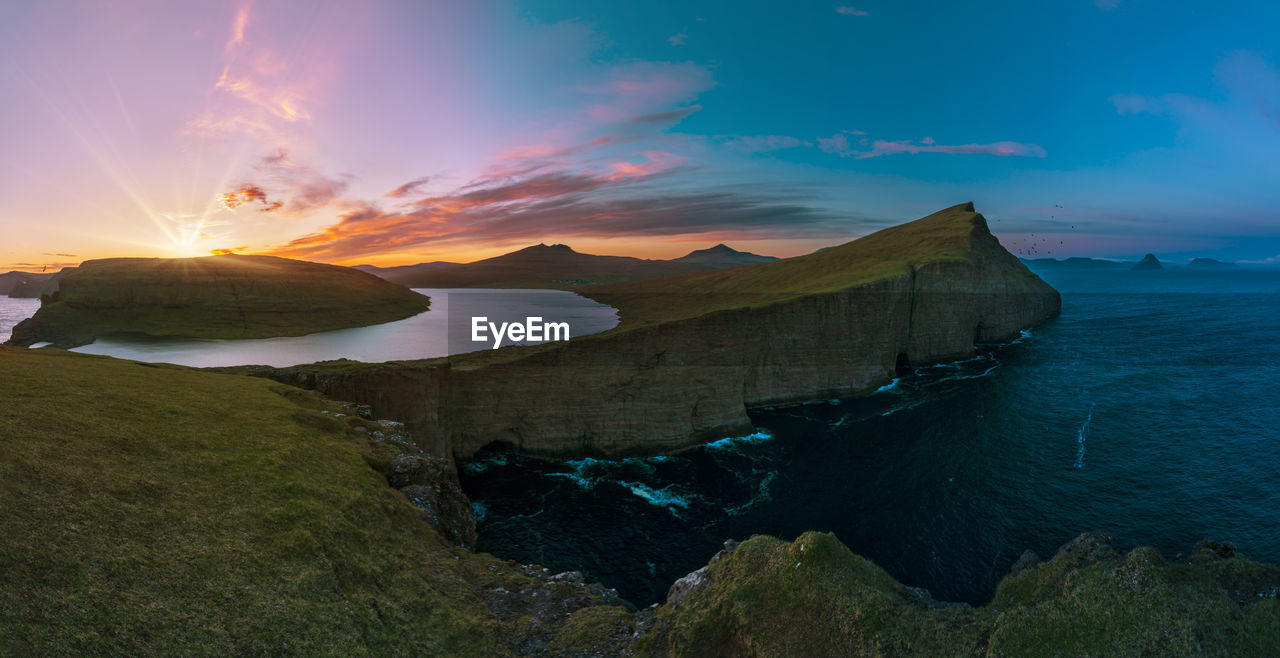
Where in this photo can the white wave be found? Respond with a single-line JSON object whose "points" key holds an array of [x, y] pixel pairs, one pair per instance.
{"points": [[1081, 435], [728, 442], [888, 387], [658, 497]]}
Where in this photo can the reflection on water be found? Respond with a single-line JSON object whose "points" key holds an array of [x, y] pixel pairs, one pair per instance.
{"points": [[422, 336]]}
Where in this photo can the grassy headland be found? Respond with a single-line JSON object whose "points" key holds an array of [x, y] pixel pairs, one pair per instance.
{"points": [[956, 233], [169, 510], [212, 297]]}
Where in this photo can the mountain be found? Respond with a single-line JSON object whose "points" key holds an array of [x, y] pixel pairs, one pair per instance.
{"points": [[22, 282], [722, 256], [1149, 262], [394, 274], [540, 266], [1075, 263], [1210, 264], [211, 297]]}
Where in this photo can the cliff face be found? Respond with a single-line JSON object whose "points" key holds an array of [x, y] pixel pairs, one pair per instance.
{"points": [[661, 386]]}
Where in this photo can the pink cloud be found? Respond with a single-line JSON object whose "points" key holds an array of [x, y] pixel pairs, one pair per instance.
{"points": [[656, 162], [408, 188], [850, 11], [596, 198]]}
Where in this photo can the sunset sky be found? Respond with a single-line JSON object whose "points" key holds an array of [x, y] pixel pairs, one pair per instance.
{"points": [[399, 132]]}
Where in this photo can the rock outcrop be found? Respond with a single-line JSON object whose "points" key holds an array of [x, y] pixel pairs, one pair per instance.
{"points": [[813, 596], [695, 352]]}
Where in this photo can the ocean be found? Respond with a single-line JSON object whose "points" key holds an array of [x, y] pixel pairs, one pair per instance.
{"points": [[1150, 408]]}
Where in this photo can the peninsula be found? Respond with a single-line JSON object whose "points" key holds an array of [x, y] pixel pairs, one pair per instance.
{"points": [[211, 297], [694, 352]]}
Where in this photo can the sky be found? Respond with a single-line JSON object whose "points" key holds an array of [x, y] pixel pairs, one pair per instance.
{"points": [[400, 132]]}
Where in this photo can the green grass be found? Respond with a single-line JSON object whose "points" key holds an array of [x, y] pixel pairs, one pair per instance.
{"points": [[213, 297], [168, 510]]}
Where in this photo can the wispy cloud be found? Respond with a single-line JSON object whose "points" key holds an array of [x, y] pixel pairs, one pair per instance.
{"points": [[264, 86], [645, 87], [409, 188], [668, 116], [850, 11], [606, 197], [1106, 5], [762, 143], [678, 39], [861, 148], [295, 189], [237, 28]]}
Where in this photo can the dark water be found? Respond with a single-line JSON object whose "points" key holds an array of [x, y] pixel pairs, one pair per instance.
{"points": [[1149, 408]]}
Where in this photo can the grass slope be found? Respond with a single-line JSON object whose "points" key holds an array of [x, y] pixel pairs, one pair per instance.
{"points": [[956, 233], [213, 297], [169, 510]]}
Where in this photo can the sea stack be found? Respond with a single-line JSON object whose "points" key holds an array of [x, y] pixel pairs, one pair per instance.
{"points": [[1149, 262]]}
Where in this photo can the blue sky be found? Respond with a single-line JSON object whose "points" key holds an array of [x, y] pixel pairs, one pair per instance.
{"points": [[395, 132]]}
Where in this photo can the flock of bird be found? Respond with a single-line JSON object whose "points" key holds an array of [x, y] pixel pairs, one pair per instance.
{"points": [[1038, 246]]}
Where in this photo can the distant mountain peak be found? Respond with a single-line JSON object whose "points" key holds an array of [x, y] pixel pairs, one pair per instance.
{"points": [[542, 246], [1209, 263], [722, 255], [1149, 262]]}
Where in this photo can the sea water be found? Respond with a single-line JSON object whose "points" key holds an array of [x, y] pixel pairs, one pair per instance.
{"points": [[1149, 408]]}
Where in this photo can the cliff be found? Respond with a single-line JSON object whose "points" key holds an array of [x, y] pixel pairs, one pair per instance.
{"points": [[211, 297], [161, 509], [22, 284], [693, 352]]}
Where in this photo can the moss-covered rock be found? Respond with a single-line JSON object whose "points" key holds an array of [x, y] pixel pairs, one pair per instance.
{"points": [[814, 597]]}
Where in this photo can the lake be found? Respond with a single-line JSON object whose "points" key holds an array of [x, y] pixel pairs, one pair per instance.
{"points": [[440, 331]]}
